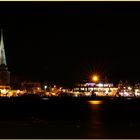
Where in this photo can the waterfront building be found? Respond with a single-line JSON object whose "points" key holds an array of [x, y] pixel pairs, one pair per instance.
{"points": [[31, 87], [100, 89]]}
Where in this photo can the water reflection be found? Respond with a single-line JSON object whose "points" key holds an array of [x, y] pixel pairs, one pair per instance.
{"points": [[96, 102], [95, 122]]}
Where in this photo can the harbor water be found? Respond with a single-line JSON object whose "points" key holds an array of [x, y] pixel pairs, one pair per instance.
{"points": [[69, 118]]}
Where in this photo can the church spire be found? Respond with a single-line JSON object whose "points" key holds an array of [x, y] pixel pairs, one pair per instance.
{"points": [[2, 51]]}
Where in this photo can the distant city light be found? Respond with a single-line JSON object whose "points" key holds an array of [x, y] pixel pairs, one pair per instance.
{"points": [[100, 85], [108, 85], [89, 84], [129, 88], [45, 87]]}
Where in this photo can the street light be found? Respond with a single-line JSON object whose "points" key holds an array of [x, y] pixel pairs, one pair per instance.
{"points": [[45, 87], [95, 79]]}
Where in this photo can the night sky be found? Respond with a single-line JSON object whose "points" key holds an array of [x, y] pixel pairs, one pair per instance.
{"points": [[68, 42]]}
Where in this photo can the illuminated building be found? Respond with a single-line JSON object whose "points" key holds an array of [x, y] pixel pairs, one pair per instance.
{"points": [[89, 86], [4, 73], [100, 89], [31, 87]]}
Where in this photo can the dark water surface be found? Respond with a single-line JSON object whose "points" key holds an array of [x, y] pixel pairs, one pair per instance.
{"points": [[69, 118]]}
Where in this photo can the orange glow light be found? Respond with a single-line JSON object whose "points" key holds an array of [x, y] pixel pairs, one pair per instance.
{"points": [[95, 78]]}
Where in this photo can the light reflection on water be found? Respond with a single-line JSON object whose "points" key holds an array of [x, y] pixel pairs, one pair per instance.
{"points": [[113, 118], [95, 123], [96, 102]]}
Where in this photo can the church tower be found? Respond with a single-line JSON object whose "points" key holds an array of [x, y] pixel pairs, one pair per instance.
{"points": [[4, 73]]}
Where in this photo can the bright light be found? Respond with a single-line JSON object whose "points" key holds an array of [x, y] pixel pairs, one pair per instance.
{"points": [[87, 94], [63, 90], [95, 78], [18, 91], [45, 86], [53, 93], [75, 95], [100, 85], [108, 85], [3, 91], [129, 88], [89, 84]]}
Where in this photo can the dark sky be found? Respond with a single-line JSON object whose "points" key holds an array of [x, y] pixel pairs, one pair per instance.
{"points": [[67, 42]]}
